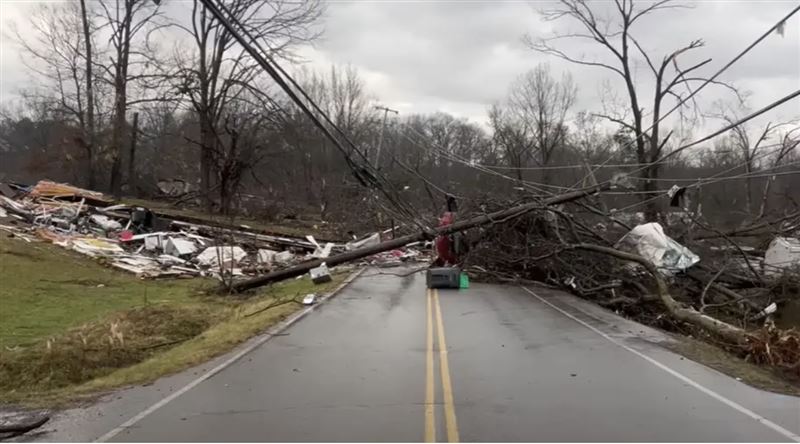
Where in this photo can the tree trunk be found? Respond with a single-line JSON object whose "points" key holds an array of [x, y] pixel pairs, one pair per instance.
{"points": [[115, 184], [224, 196], [748, 189], [207, 142], [651, 208], [765, 198], [132, 154], [120, 98], [727, 331], [89, 127]]}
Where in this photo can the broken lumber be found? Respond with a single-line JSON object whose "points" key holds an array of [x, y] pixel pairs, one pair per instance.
{"points": [[497, 216]]}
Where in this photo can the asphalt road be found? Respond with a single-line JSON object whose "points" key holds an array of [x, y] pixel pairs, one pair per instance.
{"points": [[386, 360]]}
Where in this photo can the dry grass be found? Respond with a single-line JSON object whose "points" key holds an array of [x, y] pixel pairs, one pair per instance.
{"points": [[70, 327]]}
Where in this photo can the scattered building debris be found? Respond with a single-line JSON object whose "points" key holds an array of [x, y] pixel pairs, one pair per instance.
{"points": [[46, 188], [369, 241], [173, 187], [284, 257], [180, 247], [266, 256], [140, 241], [226, 256], [321, 274]]}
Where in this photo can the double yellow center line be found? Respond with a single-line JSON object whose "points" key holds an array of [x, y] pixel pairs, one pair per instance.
{"points": [[447, 388]]}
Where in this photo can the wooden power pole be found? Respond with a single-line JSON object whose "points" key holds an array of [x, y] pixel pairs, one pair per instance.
{"points": [[386, 111]]}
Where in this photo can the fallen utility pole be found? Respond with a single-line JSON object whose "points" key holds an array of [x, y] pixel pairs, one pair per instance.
{"points": [[485, 219]]}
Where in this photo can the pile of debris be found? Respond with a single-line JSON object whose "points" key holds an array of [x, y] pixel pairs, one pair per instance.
{"points": [[730, 285], [150, 245]]}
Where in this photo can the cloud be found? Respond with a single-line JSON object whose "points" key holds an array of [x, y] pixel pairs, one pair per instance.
{"points": [[459, 57], [462, 55]]}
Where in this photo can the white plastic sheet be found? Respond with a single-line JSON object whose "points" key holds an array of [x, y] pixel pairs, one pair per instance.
{"points": [[782, 253], [650, 242]]}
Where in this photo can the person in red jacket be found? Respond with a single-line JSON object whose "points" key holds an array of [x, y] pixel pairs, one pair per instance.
{"points": [[445, 245]]}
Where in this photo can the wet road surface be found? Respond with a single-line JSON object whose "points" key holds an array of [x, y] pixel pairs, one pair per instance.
{"points": [[386, 360]]}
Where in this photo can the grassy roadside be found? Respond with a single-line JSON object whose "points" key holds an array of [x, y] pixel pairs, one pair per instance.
{"points": [[764, 378], [70, 327]]}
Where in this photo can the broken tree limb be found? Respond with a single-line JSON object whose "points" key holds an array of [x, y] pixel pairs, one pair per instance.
{"points": [[760, 229], [727, 331], [24, 426], [712, 284], [349, 256]]}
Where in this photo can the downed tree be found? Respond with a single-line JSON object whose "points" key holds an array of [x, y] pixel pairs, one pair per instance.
{"points": [[733, 334], [495, 217]]}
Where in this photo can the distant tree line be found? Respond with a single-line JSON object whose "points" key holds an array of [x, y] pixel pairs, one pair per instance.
{"points": [[207, 115]]}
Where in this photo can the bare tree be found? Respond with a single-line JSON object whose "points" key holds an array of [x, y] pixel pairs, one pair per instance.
{"points": [[60, 56], [615, 35], [249, 129], [130, 23], [788, 142], [90, 121], [749, 151], [589, 142], [341, 93], [219, 71], [539, 103], [512, 137]]}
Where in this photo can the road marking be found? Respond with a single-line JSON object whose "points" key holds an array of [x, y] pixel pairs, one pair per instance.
{"points": [[447, 387], [738, 407], [257, 343], [430, 415]]}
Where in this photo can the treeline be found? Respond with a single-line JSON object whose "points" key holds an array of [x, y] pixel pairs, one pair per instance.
{"points": [[205, 114]]}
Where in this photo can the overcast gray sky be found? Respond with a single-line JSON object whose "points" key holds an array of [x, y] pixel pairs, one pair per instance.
{"points": [[460, 56]]}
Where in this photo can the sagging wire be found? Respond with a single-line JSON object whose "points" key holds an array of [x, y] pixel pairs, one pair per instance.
{"points": [[714, 179], [363, 173], [741, 54], [533, 186]]}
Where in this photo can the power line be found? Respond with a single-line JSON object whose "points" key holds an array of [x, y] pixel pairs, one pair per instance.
{"points": [[713, 180], [534, 186], [362, 173], [726, 128], [717, 74], [729, 169], [717, 180], [561, 167]]}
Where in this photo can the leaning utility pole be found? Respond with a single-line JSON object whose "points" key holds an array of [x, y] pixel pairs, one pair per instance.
{"points": [[386, 111]]}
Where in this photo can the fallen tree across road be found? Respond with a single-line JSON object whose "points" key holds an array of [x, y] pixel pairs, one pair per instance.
{"points": [[497, 216]]}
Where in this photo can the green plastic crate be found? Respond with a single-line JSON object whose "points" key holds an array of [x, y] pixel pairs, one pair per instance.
{"points": [[463, 281]]}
